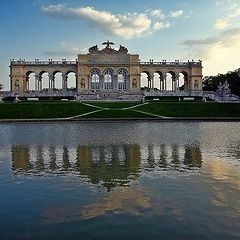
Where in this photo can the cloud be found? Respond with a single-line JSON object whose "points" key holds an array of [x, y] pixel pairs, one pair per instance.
{"points": [[176, 14], [221, 24], [157, 13], [220, 53], [225, 38], [232, 15], [65, 50], [160, 25], [128, 25]]}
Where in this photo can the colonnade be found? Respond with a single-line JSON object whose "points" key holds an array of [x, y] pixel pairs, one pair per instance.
{"points": [[38, 78], [163, 82]]}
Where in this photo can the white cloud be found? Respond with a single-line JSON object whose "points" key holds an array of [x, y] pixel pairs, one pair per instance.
{"points": [[160, 25], [127, 25], [221, 24], [220, 53], [175, 14], [231, 16], [157, 13], [236, 13], [65, 50]]}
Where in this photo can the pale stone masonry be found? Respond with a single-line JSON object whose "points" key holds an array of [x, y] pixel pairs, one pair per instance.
{"points": [[106, 70]]}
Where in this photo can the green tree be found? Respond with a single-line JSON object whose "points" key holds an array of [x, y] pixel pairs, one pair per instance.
{"points": [[211, 83]]}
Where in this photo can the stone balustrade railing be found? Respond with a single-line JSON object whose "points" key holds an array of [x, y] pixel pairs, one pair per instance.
{"points": [[23, 62]]}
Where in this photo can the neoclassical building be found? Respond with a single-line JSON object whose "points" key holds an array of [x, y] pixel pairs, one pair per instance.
{"points": [[108, 70]]}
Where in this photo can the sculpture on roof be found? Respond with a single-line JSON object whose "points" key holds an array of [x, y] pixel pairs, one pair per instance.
{"points": [[108, 43], [93, 49], [123, 49]]}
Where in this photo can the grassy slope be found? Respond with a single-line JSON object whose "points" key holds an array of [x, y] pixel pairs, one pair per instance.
{"points": [[42, 110], [196, 109], [114, 104], [117, 114], [31, 110]]}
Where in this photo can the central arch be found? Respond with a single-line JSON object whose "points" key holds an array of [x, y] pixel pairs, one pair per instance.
{"points": [[108, 79]]}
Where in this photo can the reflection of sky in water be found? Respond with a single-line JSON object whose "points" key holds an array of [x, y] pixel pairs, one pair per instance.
{"points": [[167, 174]]}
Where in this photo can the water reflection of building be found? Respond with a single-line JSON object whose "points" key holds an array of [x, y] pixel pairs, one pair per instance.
{"points": [[193, 156], [109, 165], [20, 158]]}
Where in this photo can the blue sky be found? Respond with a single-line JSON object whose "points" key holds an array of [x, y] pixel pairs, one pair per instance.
{"points": [[156, 29]]}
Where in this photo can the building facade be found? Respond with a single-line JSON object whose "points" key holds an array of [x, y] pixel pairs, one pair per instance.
{"points": [[106, 69]]}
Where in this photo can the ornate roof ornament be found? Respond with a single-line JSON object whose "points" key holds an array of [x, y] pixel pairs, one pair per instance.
{"points": [[108, 49], [108, 43], [123, 49], [93, 49]]}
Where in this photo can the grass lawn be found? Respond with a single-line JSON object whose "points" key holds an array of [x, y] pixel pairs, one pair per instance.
{"points": [[116, 114], [196, 109], [51, 109], [31, 110], [113, 104]]}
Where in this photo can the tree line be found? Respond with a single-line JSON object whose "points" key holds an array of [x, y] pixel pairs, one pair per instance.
{"points": [[211, 83]]}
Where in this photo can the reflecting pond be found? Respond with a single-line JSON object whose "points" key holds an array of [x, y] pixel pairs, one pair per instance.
{"points": [[110, 180]]}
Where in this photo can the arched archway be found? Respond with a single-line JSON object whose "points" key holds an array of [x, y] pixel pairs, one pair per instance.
{"points": [[108, 79], [158, 80], [95, 79], [71, 81], [57, 81], [145, 80], [31, 81], [171, 81], [122, 79], [43, 83], [183, 81]]}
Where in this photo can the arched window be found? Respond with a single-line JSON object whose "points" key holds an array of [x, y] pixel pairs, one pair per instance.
{"points": [[122, 79], [95, 79], [108, 79]]}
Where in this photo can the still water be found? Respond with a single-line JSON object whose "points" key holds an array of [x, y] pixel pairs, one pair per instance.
{"points": [[131, 180]]}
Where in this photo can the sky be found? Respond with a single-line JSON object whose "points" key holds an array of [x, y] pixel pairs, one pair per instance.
{"points": [[158, 29]]}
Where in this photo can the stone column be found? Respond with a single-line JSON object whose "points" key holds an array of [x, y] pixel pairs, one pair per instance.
{"points": [[164, 82], [152, 81], [176, 83], [64, 82], [36, 82], [49, 82], [149, 82], [115, 82], [128, 83], [40, 83], [53, 82], [101, 82], [51, 79]]}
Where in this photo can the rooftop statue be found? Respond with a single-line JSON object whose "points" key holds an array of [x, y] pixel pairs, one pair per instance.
{"points": [[123, 49], [93, 49], [108, 43]]}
